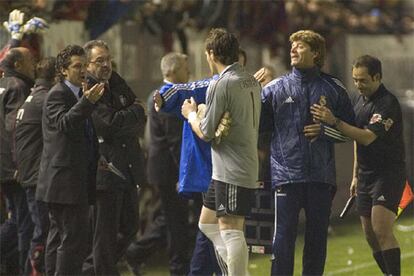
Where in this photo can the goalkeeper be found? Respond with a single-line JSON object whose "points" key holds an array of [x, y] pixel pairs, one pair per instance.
{"points": [[195, 161]]}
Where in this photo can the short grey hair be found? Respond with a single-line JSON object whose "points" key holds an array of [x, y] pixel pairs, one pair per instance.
{"points": [[92, 44], [171, 62]]}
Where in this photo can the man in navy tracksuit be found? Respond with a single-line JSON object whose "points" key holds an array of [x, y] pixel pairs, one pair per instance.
{"points": [[302, 152]]}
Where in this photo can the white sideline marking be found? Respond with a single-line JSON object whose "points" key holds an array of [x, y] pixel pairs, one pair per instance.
{"points": [[405, 228], [364, 265]]}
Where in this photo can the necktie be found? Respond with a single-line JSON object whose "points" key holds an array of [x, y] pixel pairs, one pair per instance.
{"points": [[88, 130]]}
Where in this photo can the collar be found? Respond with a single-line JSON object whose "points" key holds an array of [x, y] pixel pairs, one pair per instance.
{"points": [[380, 91], [228, 68], [307, 74], [75, 89], [8, 72], [43, 82], [167, 81]]}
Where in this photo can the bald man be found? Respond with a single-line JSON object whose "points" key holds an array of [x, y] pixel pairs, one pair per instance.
{"points": [[18, 68]]}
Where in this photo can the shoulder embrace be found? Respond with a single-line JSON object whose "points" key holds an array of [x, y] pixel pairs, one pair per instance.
{"points": [[274, 84]]}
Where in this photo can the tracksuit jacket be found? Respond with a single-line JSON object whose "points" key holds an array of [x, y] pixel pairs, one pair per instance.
{"points": [[286, 110], [195, 159]]}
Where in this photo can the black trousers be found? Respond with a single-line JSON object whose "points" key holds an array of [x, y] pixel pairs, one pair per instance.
{"points": [[67, 242], [40, 217], [9, 261], [152, 240], [170, 225], [20, 216], [115, 217], [176, 210]]}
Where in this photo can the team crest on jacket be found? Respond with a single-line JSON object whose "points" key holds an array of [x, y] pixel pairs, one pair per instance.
{"points": [[123, 100], [388, 124], [322, 101], [376, 118]]}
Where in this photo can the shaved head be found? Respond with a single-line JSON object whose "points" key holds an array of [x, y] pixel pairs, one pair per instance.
{"points": [[20, 60]]}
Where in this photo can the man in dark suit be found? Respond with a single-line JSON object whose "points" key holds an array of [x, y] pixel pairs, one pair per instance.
{"points": [[119, 119], [68, 163]]}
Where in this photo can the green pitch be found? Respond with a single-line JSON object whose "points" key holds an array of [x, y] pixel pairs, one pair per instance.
{"points": [[348, 252]]}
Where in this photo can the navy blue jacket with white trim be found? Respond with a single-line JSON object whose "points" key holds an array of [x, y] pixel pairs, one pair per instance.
{"points": [[286, 111]]}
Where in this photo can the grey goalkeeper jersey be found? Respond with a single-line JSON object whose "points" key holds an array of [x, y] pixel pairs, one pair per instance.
{"points": [[235, 158]]}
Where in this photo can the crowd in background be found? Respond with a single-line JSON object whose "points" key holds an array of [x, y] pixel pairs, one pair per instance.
{"points": [[170, 18]]}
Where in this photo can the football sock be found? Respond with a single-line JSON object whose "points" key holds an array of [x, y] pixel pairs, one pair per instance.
{"points": [[212, 232], [237, 253]]}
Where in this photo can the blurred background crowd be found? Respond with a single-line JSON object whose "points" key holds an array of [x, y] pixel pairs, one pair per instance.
{"points": [[263, 21]]}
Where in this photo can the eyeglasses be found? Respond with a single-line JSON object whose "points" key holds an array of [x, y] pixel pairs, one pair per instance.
{"points": [[102, 61]]}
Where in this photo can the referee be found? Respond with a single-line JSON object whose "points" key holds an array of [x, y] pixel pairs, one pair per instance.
{"points": [[379, 166]]}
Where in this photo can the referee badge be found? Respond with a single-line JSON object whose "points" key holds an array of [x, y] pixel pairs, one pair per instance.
{"points": [[376, 118], [388, 124], [322, 101]]}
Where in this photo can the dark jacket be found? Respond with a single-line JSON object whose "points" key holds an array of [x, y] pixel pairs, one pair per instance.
{"points": [[381, 114], [29, 139], [163, 147], [14, 88], [67, 171], [119, 123]]}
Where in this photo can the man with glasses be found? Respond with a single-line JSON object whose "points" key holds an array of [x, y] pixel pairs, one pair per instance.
{"points": [[119, 118]]}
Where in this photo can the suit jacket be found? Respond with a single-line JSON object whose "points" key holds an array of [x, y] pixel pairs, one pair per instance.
{"points": [[119, 123], [67, 171]]}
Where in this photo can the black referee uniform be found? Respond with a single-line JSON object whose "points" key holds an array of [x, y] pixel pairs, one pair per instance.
{"points": [[381, 166]]}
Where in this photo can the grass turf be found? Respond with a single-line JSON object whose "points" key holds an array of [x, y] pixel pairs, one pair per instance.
{"points": [[348, 252]]}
